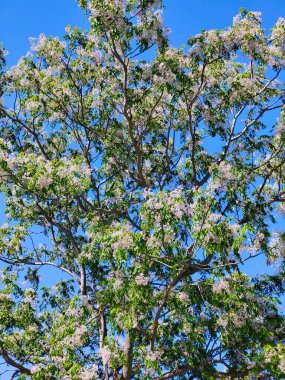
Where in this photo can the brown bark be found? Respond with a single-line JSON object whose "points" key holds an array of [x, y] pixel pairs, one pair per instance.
{"points": [[128, 350]]}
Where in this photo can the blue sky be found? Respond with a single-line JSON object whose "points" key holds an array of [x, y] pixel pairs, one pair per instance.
{"points": [[20, 19]]}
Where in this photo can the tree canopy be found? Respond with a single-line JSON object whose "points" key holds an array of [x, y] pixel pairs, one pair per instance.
{"points": [[146, 175]]}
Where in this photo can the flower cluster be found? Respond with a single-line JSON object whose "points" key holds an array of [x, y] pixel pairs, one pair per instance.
{"points": [[145, 177], [222, 286]]}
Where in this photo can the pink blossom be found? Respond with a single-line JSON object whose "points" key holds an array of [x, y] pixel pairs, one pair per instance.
{"points": [[35, 369], [183, 296], [222, 285], [141, 279]]}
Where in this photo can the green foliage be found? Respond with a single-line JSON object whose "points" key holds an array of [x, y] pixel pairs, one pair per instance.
{"points": [[146, 183]]}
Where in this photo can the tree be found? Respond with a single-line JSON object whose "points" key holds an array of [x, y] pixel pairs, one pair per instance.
{"points": [[147, 176]]}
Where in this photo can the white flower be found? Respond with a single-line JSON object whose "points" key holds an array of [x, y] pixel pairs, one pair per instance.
{"points": [[183, 296], [76, 339], [89, 373], [44, 181], [154, 355], [38, 43], [281, 366], [118, 283], [222, 322], [153, 242], [259, 239], [119, 278], [278, 30], [281, 208], [238, 320], [122, 237], [236, 19], [222, 285], [141, 279], [35, 369]]}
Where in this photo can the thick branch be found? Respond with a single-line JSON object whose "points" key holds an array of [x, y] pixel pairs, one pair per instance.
{"points": [[12, 362], [128, 351]]}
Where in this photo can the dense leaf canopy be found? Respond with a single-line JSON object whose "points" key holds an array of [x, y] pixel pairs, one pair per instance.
{"points": [[145, 176]]}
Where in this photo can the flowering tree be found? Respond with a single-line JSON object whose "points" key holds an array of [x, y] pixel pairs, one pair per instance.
{"points": [[146, 176]]}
